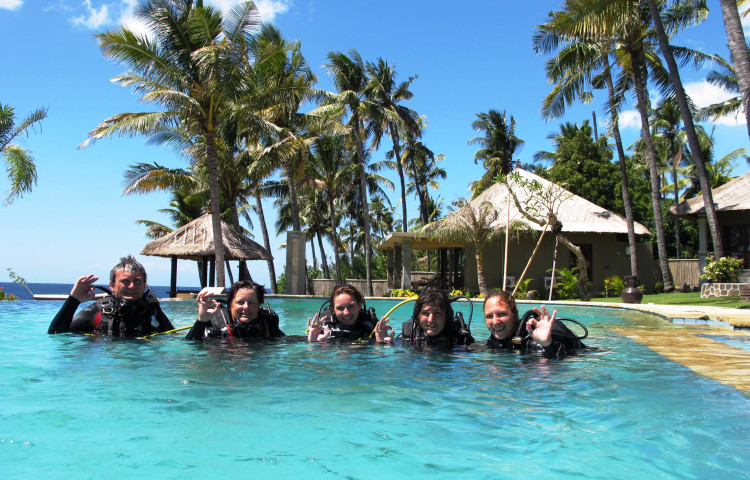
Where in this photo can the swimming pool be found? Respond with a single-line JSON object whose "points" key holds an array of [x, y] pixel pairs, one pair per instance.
{"points": [[83, 407]]}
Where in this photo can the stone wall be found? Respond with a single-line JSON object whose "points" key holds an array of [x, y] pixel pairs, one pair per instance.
{"points": [[720, 289]]}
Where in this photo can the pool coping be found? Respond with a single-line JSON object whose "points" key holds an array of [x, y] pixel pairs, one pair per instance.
{"points": [[733, 318]]}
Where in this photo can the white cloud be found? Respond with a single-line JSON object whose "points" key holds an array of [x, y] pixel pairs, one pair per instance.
{"points": [[94, 18], [630, 119], [705, 94], [268, 9], [10, 4]]}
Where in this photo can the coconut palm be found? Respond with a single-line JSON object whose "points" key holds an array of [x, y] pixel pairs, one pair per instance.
{"points": [[725, 77], [696, 11], [471, 224], [424, 174], [349, 76], [498, 145], [332, 171], [19, 162], [624, 26], [387, 116], [738, 52], [268, 110], [191, 65], [580, 65]]}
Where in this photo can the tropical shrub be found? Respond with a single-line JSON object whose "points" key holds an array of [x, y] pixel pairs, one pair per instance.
{"points": [[725, 269], [6, 296], [566, 284], [613, 286], [397, 292], [523, 288]]}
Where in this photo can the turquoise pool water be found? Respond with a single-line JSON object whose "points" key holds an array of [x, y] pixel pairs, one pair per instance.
{"points": [[83, 407]]}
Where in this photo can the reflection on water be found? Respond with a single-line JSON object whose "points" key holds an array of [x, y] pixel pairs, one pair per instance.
{"points": [[167, 408]]}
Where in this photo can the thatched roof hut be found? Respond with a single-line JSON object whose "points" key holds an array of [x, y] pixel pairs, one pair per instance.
{"points": [[575, 213], [733, 196], [195, 241]]}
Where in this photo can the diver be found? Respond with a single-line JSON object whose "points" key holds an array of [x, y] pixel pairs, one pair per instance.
{"points": [[432, 323], [536, 331], [243, 317], [344, 316], [127, 310]]}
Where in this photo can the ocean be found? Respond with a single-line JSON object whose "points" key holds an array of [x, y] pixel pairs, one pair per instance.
{"points": [[64, 289]]}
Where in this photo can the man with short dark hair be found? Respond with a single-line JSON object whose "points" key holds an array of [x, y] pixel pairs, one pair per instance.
{"points": [[127, 312]]}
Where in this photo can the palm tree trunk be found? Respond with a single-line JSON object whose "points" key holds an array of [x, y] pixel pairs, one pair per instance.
{"points": [[334, 235], [642, 99], [738, 53], [365, 205], [401, 179], [480, 271], [312, 249], [266, 241], [212, 163], [624, 183], [289, 173], [676, 159], [323, 259], [687, 118]]}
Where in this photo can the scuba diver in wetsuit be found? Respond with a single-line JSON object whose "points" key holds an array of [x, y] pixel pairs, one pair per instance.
{"points": [[344, 316], [432, 323], [537, 330], [243, 317], [128, 311]]}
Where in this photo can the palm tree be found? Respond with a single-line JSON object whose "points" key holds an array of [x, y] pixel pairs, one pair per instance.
{"points": [[192, 68], [386, 115], [474, 225], [738, 52], [332, 171], [280, 81], [696, 12], [19, 162], [725, 77], [719, 171], [498, 145], [350, 79], [424, 174], [623, 27], [665, 124]]}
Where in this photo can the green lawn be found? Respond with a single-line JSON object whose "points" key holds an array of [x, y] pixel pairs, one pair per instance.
{"points": [[693, 298]]}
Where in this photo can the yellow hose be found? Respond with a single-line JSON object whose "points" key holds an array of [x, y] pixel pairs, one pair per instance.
{"points": [[393, 309], [168, 331]]}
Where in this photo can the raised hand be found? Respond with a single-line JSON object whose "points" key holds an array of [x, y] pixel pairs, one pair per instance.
{"points": [[317, 330], [83, 289], [384, 333], [540, 328], [207, 306]]}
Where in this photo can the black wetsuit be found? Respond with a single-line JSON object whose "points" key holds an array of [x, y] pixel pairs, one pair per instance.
{"points": [[112, 317], [564, 341], [361, 329], [266, 325], [411, 333]]}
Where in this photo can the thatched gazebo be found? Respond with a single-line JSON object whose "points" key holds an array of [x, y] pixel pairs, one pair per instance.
{"points": [[732, 205], [195, 241]]}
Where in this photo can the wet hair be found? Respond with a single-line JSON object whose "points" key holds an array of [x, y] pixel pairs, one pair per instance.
{"points": [[127, 264], [347, 289], [506, 298], [438, 297], [260, 290]]}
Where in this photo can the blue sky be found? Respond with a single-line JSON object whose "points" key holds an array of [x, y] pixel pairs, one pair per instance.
{"points": [[469, 56]]}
